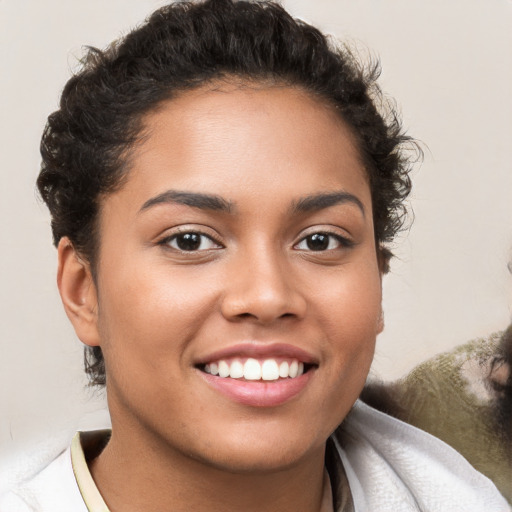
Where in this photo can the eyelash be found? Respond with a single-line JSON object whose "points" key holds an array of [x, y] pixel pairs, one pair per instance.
{"points": [[167, 241], [340, 240]]}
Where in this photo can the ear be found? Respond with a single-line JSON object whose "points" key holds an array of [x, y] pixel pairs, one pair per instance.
{"points": [[78, 293]]}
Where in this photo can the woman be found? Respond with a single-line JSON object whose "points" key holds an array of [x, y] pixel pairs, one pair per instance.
{"points": [[222, 189]]}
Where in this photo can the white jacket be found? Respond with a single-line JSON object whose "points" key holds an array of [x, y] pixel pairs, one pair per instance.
{"points": [[390, 467]]}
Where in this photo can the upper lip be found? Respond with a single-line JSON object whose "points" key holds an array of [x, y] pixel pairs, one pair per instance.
{"points": [[260, 351]]}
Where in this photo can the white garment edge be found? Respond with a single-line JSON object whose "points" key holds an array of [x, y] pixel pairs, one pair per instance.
{"points": [[53, 489], [390, 466]]}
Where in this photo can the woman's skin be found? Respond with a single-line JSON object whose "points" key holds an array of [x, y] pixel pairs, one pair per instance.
{"points": [[208, 252]]}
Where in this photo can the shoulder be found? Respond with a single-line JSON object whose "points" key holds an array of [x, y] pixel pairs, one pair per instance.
{"points": [[53, 489], [394, 466], [464, 397]]}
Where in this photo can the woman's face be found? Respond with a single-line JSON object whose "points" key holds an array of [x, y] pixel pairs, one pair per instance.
{"points": [[243, 233]]}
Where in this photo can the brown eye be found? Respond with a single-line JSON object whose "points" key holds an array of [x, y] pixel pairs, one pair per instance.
{"points": [[191, 241], [318, 242], [188, 241], [322, 242]]}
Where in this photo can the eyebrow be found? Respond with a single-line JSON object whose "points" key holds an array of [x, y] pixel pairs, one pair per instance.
{"points": [[311, 203], [318, 202], [193, 199]]}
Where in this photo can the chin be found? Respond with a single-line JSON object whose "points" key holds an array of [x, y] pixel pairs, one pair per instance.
{"points": [[257, 447], [259, 458]]}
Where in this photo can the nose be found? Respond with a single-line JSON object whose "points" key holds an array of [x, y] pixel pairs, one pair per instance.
{"points": [[262, 287]]}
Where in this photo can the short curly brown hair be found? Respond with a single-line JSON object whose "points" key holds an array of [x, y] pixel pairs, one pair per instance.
{"points": [[184, 46]]}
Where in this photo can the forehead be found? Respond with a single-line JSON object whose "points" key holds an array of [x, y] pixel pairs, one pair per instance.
{"points": [[233, 137]]}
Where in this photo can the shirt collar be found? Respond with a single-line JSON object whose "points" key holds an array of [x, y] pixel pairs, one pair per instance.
{"points": [[336, 489]]}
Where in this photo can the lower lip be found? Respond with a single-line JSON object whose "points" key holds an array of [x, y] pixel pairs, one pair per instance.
{"points": [[259, 393]]}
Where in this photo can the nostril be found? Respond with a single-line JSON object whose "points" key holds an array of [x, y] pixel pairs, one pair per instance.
{"points": [[246, 315]]}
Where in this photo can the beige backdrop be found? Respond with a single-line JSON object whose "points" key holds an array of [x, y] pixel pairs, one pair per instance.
{"points": [[449, 65]]}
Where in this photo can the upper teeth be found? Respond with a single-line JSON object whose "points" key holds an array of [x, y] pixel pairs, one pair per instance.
{"points": [[252, 369]]}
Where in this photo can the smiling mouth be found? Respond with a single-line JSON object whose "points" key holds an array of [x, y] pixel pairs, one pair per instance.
{"points": [[251, 369]]}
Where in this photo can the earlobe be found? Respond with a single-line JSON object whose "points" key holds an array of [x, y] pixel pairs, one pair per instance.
{"points": [[78, 293]]}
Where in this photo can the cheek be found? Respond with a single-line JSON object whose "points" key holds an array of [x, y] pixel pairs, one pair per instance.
{"points": [[349, 311], [147, 311], [349, 302]]}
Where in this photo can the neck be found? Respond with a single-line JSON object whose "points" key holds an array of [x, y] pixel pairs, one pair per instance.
{"points": [[133, 474]]}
